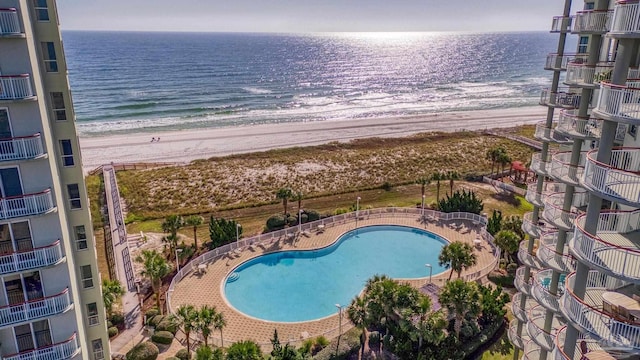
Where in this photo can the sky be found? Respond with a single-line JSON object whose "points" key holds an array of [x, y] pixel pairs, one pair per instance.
{"points": [[291, 16]]}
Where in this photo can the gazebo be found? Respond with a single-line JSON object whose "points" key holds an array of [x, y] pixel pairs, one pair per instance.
{"points": [[519, 173]]}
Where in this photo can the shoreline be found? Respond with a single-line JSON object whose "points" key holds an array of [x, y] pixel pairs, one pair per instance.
{"points": [[194, 144]]}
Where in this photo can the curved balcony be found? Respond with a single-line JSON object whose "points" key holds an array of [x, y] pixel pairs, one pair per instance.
{"points": [[549, 257], [562, 98], [35, 309], [618, 181], [579, 74], [522, 285], [563, 170], [572, 125], [526, 258], [21, 148], [543, 133], [62, 350], [9, 23], [540, 290], [16, 87], [519, 312], [591, 316], [535, 328], [536, 198], [619, 103], [592, 21], [560, 62], [517, 341], [594, 348], [26, 205], [614, 248], [534, 229], [553, 210], [561, 24], [36, 258], [539, 165], [626, 19]]}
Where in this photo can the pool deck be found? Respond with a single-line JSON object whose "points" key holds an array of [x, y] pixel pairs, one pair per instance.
{"points": [[190, 289]]}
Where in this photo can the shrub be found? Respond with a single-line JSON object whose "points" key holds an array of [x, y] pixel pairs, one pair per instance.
{"points": [[109, 324], [322, 341], [143, 351], [173, 358], [386, 186], [341, 211], [512, 267], [112, 331], [162, 337], [204, 353], [275, 222], [182, 354], [150, 314], [312, 215], [156, 320], [167, 325], [117, 319]]}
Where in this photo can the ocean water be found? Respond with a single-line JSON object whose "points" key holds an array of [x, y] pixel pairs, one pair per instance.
{"points": [[126, 82]]}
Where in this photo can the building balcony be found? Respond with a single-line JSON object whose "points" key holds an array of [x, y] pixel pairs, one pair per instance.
{"points": [[595, 316], [534, 229], [593, 347], [522, 285], [560, 62], [532, 354], [554, 213], [517, 340], [626, 19], [562, 98], [619, 103], [526, 258], [561, 24], [543, 133], [541, 290], [580, 74], [16, 87], [550, 257], [535, 328], [36, 258], [35, 309], [26, 205], [537, 198], [614, 248], [539, 165], [565, 170], [62, 350], [618, 181], [9, 23], [592, 22], [519, 312], [21, 148], [572, 125]]}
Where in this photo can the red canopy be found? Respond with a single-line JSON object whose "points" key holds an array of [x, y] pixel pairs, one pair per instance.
{"points": [[517, 165]]}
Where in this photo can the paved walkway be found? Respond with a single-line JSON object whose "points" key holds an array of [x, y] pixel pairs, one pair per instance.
{"points": [[130, 301], [205, 289]]}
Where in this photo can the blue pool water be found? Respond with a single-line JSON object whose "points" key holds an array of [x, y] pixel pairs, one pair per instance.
{"points": [[293, 286]]}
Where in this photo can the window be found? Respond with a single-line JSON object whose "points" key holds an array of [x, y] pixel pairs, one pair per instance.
{"points": [[81, 237], [74, 196], [633, 130], [92, 314], [49, 56], [583, 44], [87, 278], [98, 351], [42, 11], [59, 109], [589, 5], [67, 152]]}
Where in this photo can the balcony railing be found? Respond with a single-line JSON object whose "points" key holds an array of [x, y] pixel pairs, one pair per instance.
{"points": [[544, 133], [592, 21], [26, 205], [526, 258], [620, 102], [517, 310], [588, 75], [9, 23], [626, 18], [563, 170], [569, 123], [592, 345], [620, 179], [15, 87], [517, 341], [534, 229], [561, 24], [522, 285], [62, 350], [554, 214], [540, 165], [562, 262], [559, 62], [561, 98], [35, 309], [31, 259], [21, 148], [536, 198], [590, 316], [535, 327], [541, 290], [617, 255]]}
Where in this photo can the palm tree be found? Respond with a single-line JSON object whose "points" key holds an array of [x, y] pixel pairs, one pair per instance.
{"points": [[244, 350], [186, 318], [171, 225], [284, 194], [206, 315], [458, 256], [298, 196], [461, 299], [494, 154], [219, 323], [112, 290], [437, 176], [357, 314], [155, 267], [423, 181], [503, 159], [508, 242], [195, 221], [452, 176]]}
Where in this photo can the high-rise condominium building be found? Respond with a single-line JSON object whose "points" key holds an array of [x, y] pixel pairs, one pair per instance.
{"points": [[579, 288], [50, 301]]}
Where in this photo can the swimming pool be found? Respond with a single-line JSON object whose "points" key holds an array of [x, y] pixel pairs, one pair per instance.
{"points": [[292, 286]]}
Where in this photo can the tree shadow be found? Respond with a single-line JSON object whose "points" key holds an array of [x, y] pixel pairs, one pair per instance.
{"points": [[507, 197]]}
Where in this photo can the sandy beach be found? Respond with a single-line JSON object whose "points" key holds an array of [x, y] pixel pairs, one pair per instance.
{"points": [[188, 145]]}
